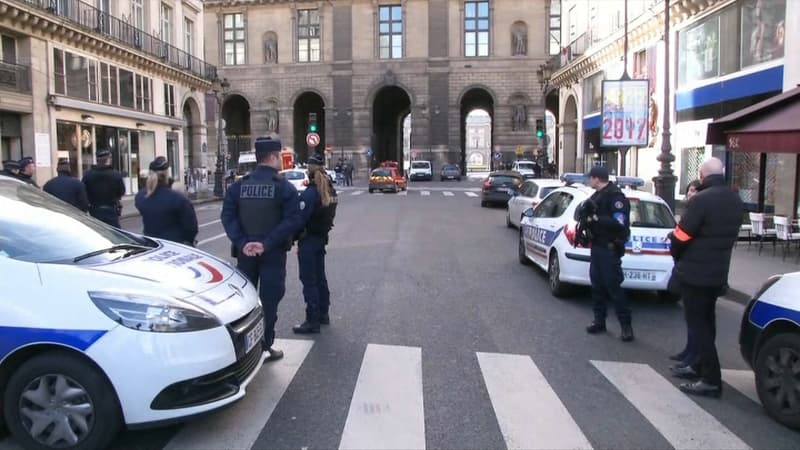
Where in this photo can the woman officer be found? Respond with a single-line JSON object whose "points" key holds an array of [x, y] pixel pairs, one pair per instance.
{"points": [[166, 214], [318, 208]]}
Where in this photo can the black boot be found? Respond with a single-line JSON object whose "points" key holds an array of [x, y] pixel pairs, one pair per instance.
{"points": [[702, 388], [306, 327], [274, 354], [597, 326], [627, 332], [680, 356], [325, 319], [686, 372]]}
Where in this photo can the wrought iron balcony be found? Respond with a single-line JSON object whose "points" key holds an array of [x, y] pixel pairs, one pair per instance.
{"points": [[15, 77], [94, 20]]}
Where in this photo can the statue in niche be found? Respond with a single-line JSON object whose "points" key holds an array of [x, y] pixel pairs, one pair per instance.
{"points": [[519, 39], [270, 48], [272, 120], [519, 118]]}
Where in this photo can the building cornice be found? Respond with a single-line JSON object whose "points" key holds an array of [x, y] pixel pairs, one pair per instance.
{"points": [[644, 30], [31, 21], [240, 3]]}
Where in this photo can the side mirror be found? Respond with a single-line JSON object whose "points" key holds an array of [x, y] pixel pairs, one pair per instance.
{"points": [[528, 212]]}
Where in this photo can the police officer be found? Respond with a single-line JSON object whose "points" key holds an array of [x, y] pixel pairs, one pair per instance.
{"points": [[318, 209], [66, 187], [166, 214], [261, 215], [105, 188], [26, 171], [610, 227], [11, 169]]}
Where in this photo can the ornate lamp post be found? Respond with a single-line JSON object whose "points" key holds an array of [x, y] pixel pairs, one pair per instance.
{"points": [[665, 180], [220, 89]]}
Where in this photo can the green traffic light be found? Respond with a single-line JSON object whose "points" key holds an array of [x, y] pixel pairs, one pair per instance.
{"points": [[539, 133], [313, 128]]}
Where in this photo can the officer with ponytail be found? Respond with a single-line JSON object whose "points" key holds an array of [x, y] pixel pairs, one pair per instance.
{"points": [[166, 214], [318, 209]]}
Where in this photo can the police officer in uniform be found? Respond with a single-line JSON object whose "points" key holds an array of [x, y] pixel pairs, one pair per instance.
{"points": [[11, 169], [67, 188], [318, 209], [261, 215], [26, 171], [105, 188], [166, 214], [609, 226]]}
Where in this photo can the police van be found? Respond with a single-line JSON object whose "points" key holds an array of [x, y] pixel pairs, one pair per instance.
{"points": [[770, 343], [102, 329], [547, 238]]}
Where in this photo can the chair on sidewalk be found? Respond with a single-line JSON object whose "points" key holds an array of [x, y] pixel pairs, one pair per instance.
{"points": [[758, 222], [783, 232]]}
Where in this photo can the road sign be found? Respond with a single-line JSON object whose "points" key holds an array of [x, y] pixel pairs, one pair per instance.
{"points": [[498, 156], [312, 139], [328, 148], [368, 151]]}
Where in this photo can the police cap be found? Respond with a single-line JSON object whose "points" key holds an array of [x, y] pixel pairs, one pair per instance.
{"points": [[159, 164], [316, 160], [25, 162], [267, 144], [104, 153], [598, 172], [10, 165]]}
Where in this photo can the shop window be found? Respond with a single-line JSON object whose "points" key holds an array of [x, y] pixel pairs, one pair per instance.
{"points": [[698, 51], [771, 187], [744, 178], [692, 159], [592, 93], [763, 31], [126, 88], [58, 72]]}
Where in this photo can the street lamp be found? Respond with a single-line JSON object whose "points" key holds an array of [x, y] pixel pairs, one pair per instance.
{"points": [[220, 89], [665, 180]]}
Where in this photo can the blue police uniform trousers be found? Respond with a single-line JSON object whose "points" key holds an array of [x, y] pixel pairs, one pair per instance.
{"points": [[107, 214], [311, 261], [605, 273], [268, 273]]}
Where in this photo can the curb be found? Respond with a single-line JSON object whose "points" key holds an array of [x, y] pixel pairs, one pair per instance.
{"points": [[194, 203]]}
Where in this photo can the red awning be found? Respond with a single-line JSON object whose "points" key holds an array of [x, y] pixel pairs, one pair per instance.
{"points": [[771, 126]]}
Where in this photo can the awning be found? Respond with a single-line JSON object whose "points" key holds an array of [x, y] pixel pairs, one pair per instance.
{"points": [[771, 126]]}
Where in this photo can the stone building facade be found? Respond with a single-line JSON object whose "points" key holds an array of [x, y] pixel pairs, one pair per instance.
{"points": [[364, 65]]}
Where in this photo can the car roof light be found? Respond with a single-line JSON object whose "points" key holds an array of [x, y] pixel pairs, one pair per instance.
{"points": [[630, 182], [572, 178]]}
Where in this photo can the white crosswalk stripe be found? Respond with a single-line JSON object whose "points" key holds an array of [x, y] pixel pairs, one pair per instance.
{"points": [[356, 193], [448, 194], [425, 193], [470, 194], [402, 193]]}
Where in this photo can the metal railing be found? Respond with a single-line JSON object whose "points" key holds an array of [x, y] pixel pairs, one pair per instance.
{"points": [[15, 77], [92, 19]]}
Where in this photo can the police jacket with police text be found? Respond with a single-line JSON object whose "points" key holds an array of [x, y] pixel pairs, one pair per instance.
{"points": [[104, 186], [262, 207], [318, 219], [167, 214], [613, 216], [68, 189], [703, 241]]}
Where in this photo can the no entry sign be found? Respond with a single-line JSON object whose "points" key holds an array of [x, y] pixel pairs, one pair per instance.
{"points": [[312, 139]]}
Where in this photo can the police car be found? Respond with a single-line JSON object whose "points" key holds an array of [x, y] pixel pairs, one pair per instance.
{"points": [[102, 329], [547, 238], [770, 343]]}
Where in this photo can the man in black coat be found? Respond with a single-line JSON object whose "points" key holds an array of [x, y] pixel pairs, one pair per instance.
{"points": [[702, 244], [105, 188], [67, 188]]}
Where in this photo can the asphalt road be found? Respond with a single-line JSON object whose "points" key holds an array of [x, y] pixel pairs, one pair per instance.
{"points": [[441, 339]]}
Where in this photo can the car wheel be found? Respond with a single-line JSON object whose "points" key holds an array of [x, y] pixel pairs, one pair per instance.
{"points": [[557, 287], [668, 297], [777, 382], [523, 259], [56, 400], [508, 220]]}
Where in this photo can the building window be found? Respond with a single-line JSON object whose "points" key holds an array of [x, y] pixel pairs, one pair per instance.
{"points": [[233, 37], [476, 29], [9, 49], [125, 88], [698, 52], [93, 80], [169, 100], [166, 23], [308, 35], [144, 96], [77, 76], [391, 32], [58, 72], [555, 27], [763, 31], [188, 36], [137, 14]]}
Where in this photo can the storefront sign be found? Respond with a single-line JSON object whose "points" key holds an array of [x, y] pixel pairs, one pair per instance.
{"points": [[626, 106], [42, 150]]}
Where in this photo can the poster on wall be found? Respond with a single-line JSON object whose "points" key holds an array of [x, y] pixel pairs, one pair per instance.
{"points": [[763, 30], [699, 52], [626, 107]]}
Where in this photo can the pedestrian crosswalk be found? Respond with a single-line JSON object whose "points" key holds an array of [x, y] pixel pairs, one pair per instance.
{"points": [[414, 193], [387, 408]]}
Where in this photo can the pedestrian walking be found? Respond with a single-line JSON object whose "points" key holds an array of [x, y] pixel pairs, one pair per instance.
{"points": [[702, 244], [11, 169], [66, 187], [609, 225], [261, 215], [26, 171], [318, 210], [105, 188], [348, 173], [166, 214]]}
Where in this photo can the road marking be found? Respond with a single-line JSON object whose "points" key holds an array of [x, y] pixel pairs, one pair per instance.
{"points": [[378, 193], [386, 411], [529, 412], [205, 207], [209, 223], [425, 193], [403, 193], [470, 194], [357, 192], [211, 239], [743, 381], [680, 420], [448, 194], [237, 426]]}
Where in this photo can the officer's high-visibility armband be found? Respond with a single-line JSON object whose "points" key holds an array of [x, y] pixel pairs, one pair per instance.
{"points": [[681, 235]]}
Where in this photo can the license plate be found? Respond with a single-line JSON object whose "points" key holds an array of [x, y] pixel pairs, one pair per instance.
{"points": [[254, 336], [640, 275], [503, 190]]}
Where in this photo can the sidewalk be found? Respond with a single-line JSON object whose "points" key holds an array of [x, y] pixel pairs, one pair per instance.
{"points": [[749, 270], [129, 210]]}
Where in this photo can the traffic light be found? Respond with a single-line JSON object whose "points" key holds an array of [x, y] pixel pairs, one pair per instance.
{"points": [[312, 122], [539, 128]]}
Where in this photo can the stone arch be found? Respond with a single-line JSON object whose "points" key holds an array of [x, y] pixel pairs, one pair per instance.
{"points": [[569, 133], [192, 134], [473, 98], [236, 112], [477, 86], [377, 87], [300, 92], [519, 38]]}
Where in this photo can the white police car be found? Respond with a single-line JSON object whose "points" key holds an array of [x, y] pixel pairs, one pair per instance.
{"points": [[770, 343], [547, 238], [101, 329]]}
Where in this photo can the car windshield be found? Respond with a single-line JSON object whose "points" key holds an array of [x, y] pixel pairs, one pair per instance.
{"points": [[503, 179], [546, 190], [420, 165], [294, 175], [449, 167], [37, 227], [381, 173], [525, 166]]}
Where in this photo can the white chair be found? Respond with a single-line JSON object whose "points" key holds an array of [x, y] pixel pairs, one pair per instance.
{"points": [[758, 222], [783, 232], [746, 228]]}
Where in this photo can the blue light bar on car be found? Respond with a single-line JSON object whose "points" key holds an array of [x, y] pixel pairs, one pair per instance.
{"points": [[630, 182], [573, 178]]}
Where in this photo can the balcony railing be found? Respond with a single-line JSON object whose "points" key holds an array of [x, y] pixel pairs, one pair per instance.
{"points": [[15, 77], [92, 19]]}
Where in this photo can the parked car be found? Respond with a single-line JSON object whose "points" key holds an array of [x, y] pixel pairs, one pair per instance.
{"points": [[450, 172], [547, 239], [298, 178], [103, 329], [529, 195], [421, 171], [386, 179], [499, 186], [770, 343], [526, 168]]}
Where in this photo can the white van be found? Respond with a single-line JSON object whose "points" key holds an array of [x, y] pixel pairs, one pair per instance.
{"points": [[420, 170], [247, 163], [526, 168]]}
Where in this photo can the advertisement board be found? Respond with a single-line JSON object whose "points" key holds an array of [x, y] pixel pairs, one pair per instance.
{"points": [[625, 112]]}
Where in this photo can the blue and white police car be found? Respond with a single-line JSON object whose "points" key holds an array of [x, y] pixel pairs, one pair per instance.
{"points": [[102, 329], [547, 238], [770, 343]]}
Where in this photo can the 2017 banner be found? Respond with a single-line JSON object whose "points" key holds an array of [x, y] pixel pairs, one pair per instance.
{"points": [[626, 107]]}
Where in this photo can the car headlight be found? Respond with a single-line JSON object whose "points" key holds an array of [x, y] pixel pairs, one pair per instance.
{"points": [[153, 313]]}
